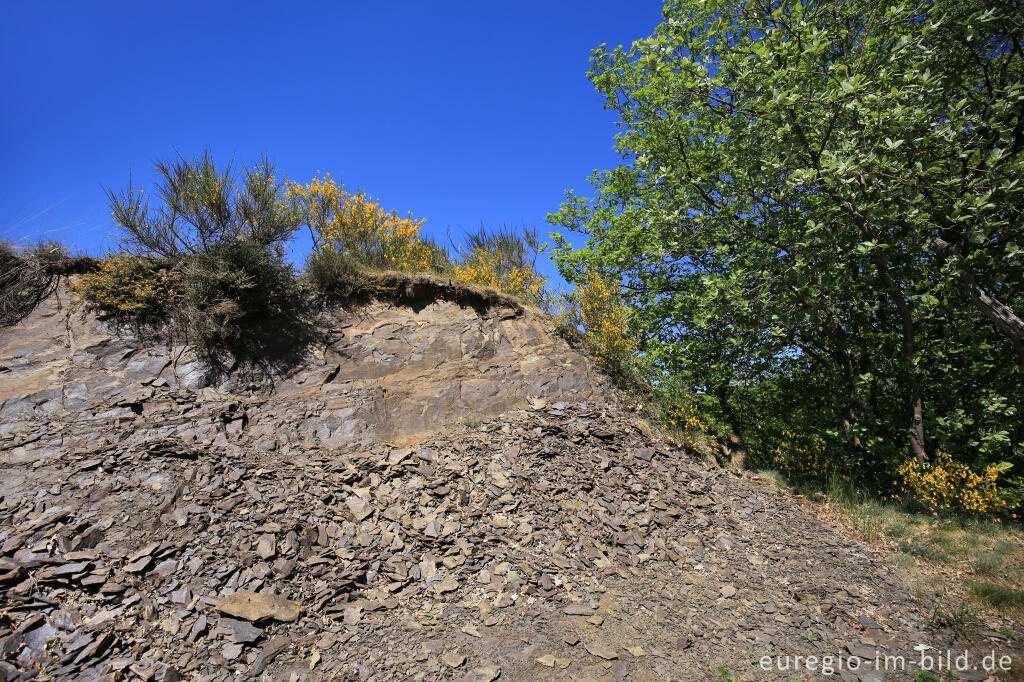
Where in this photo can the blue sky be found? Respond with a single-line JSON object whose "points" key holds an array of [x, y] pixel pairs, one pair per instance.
{"points": [[461, 112]]}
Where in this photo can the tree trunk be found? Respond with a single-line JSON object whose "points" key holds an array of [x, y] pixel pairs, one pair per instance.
{"points": [[915, 432], [1002, 317], [851, 416], [736, 450]]}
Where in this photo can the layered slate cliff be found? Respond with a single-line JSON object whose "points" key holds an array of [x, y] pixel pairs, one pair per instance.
{"points": [[438, 488], [379, 372]]}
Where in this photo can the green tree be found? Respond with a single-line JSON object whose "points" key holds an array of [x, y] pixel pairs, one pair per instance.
{"points": [[819, 218]]}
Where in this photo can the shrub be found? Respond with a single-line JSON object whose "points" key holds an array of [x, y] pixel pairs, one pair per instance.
{"points": [[208, 258], [26, 278], [945, 485], [127, 286], [334, 274], [232, 287], [802, 459], [201, 207], [595, 307], [357, 227], [506, 260], [682, 417]]}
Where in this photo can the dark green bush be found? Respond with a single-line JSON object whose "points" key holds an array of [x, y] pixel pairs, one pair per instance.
{"points": [[219, 232], [333, 274], [232, 289]]}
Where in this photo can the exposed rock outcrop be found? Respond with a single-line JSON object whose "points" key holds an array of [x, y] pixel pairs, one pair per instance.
{"points": [[439, 491], [382, 372]]}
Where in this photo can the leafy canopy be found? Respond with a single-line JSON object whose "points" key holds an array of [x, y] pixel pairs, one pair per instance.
{"points": [[818, 221]]}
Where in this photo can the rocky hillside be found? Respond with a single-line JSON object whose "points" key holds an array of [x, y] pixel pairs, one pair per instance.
{"points": [[435, 489]]}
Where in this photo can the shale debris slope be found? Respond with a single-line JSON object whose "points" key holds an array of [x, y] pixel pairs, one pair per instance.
{"points": [[156, 527]]}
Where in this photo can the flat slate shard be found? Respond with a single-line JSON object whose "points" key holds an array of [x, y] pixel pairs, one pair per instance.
{"points": [[266, 546], [644, 454], [259, 606], [579, 610], [268, 653], [453, 659], [601, 650], [485, 673], [359, 507], [240, 630]]}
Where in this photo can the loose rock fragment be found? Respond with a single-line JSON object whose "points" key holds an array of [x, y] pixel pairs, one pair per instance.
{"points": [[353, 614], [359, 507], [579, 610], [448, 584], [240, 630], [258, 606], [453, 659], [483, 674], [266, 546], [601, 650]]}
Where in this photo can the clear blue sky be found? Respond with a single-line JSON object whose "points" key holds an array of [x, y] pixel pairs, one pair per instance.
{"points": [[460, 112]]}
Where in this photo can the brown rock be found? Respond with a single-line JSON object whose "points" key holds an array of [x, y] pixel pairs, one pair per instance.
{"points": [[253, 606], [266, 546], [359, 507], [482, 674], [601, 650], [453, 659]]}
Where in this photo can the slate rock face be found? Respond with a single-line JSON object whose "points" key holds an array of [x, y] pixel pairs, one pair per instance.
{"points": [[387, 372]]}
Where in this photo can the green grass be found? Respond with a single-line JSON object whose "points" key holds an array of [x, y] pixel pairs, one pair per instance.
{"points": [[996, 595], [970, 540], [986, 557], [1005, 547], [846, 494], [960, 619], [903, 560], [897, 529], [775, 478], [988, 563], [876, 521], [951, 542], [925, 551], [988, 528]]}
